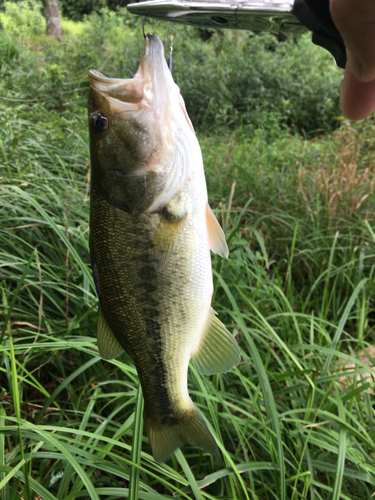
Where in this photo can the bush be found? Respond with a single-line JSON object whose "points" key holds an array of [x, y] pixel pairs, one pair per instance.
{"points": [[24, 18], [29, 79], [253, 80], [106, 43], [9, 51], [78, 9]]}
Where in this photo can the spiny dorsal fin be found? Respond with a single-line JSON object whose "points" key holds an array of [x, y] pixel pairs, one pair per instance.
{"points": [[216, 237], [167, 234], [218, 350], [108, 345]]}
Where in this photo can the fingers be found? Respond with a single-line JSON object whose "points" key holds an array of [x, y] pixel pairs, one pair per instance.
{"points": [[355, 19], [357, 98]]}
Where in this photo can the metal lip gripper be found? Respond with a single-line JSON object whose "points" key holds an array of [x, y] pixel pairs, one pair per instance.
{"points": [[273, 16], [248, 15]]}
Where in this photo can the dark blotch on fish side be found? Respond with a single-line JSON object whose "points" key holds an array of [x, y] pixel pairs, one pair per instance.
{"points": [[129, 294], [95, 273], [148, 284]]}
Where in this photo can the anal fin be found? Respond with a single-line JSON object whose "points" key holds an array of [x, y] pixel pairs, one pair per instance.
{"points": [[218, 350], [108, 345]]}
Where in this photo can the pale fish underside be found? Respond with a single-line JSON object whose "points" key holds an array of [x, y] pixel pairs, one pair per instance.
{"points": [[151, 232]]}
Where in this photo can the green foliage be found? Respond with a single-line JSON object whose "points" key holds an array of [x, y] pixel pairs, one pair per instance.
{"points": [[10, 52], [256, 82], [106, 44], [77, 9], [24, 18]]}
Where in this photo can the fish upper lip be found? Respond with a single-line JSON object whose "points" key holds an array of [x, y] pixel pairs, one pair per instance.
{"points": [[141, 88], [99, 77], [123, 90]]}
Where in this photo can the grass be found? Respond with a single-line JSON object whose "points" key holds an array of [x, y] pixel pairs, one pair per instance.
{"points": [[295, 420], [296, 291]]}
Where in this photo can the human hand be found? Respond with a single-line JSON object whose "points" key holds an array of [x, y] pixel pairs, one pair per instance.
{"points": [[356, 22]]}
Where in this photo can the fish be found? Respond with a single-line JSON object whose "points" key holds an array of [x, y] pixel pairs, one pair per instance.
{"points": [[151, 232]]}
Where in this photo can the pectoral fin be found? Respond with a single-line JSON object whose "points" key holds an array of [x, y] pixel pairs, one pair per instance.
{"points": [[108, 345], [216, 237], [218, 350], [167, 235]]}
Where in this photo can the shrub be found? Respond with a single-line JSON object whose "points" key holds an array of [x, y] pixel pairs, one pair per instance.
{"points": [[24, 18], [78, 9], [254, 80], [9, 50]]}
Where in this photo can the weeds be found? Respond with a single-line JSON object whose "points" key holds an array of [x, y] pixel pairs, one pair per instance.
{"points": [[344, 176], [23, 19]]}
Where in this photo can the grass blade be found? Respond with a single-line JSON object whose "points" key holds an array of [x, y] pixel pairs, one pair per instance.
{"points": [[189, 474], [10, 475], [136, 446], [340, 326], [2, 450], [341, 455], [268, 396], [15, 295], [16, 400]]}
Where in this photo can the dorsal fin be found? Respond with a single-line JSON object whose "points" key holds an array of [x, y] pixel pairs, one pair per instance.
{"points": [[218, 350], [108, 345], [216, 237]]}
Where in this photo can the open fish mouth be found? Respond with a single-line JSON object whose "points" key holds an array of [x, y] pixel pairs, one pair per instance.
{"points": [[120, 95], [148, 87]]}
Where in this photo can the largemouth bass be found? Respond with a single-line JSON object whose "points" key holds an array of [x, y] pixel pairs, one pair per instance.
{"points": [[151, 232]]}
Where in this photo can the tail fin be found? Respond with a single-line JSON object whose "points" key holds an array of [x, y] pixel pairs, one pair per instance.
{"points": [[190, 428]]}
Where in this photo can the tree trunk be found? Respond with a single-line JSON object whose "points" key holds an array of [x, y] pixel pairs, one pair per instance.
{"points": [[52, 15]]}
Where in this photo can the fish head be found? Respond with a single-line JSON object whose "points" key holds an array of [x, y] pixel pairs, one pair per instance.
{"points": [[135, 129]]}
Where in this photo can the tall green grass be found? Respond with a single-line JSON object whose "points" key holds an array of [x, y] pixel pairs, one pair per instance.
{"points": [[295, 420], [292, 420]]}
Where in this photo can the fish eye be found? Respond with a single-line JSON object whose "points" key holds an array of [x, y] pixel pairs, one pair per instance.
{"points": [[100, 121]]}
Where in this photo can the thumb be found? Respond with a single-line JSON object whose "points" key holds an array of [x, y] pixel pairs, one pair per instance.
{"points": [[356, 22]]}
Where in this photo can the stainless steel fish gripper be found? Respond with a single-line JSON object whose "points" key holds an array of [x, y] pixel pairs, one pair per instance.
{"points": [[275, 16]]}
